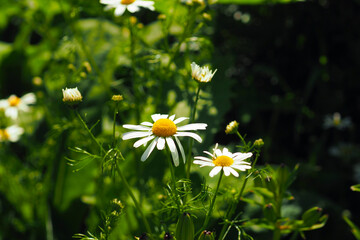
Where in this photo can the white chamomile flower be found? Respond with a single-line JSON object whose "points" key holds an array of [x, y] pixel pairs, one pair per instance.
{"points": [[11, 134], [13, 105], [224, 160], [71, 95], [163, 130], [201, 74], [131, 5]]}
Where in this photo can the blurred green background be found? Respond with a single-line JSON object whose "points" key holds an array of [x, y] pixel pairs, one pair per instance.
{"points": [[283, 68]]}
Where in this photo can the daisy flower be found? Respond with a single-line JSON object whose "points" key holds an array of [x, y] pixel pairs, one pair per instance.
{"points": [[131, 5], [163, 131], [11, 133], [13, 105], [201, 74], [224, 160]]}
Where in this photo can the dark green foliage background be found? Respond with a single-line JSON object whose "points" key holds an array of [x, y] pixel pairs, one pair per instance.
{"points": [[279, 75]]}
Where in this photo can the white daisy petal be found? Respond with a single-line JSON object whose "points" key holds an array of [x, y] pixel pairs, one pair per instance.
{"points": [[172, 117], [218, 152], [235, 173], [173, 151], [11, 112], [161, 143], [133, 8], [189, 134], [242, 156], [209, 154], [28, 98], [14, 133], [149, 124], [181, 148], [135, 134], [203, 158], [148, 150], [143, 141], [215, 171], [226, 171], [180, 120], [241, 167], [119, 10], [203, 163], [156, 117], [193, 126], [135, 127]]}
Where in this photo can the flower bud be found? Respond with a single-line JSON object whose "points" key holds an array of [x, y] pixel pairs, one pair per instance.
{"points": [[232, 127], [117, 98], [201, 74], [184, 227], [259, 143], [71, 96]]}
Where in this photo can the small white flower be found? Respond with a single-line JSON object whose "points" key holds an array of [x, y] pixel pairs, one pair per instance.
{"points": [[201, 74], [71, 95], [336, 121], [131, 5], [13, 105], [224, 160], [163, 131], [11, 133]]}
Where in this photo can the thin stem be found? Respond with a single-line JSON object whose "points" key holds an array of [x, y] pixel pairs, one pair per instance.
{"points": [[128, 189], [232, 208], [207, 218], [114, 122], [173, 179], [90, 133], [192, 117], [242, 139]]}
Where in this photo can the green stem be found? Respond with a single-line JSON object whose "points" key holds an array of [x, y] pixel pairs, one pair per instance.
{"points": [[232, 208], [207, 218], [128, 189], [114, 122], [173, 179], [191, 141], [90, 133], [242, 139]]}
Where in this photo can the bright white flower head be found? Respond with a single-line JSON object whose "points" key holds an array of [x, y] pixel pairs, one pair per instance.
{"points": [[71, 95], [11, 134], [131, 5], [13, 105], [224, 160], [201, 74], [163, 130]]}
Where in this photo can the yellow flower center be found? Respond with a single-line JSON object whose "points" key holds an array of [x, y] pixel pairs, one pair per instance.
{"points": [[127, 2], [14, 101], [4, 135], [223, 161], [164, 128]]}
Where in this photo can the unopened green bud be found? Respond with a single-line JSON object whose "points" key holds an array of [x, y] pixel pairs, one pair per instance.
{"points": [[269, 212], [184, 227], [259, 143], [206, 235], [311, 216], [83, 74], [87, 66], [232, 127]]}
